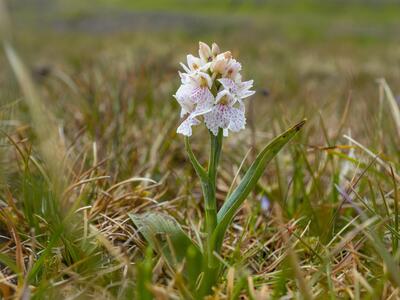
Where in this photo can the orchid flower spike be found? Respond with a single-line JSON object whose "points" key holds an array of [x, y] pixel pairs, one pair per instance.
{"points": [[212, 91]]}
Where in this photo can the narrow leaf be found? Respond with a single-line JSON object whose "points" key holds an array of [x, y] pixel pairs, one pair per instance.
{"points": [[234, 201], [394, 106], [200, 171]]}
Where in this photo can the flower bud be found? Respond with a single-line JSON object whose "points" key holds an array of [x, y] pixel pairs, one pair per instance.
{"points": [[227, 55], [219, 66], [215, 49], [205, 52]]}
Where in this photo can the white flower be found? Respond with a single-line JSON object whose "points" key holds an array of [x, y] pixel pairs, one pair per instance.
{"points": [[195, 99], [225, 114], [215, 49], [194, 94], [221, 63], [216, 71], [239, 90], [194, 64], [205, 53], [183, 97], [232, 70], [186, 126]]}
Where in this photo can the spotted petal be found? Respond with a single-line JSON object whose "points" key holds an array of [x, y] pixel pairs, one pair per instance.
{"points": [[229, 85], [237, 119], [201, 94], [239, 90], [219, 117], [183, 97], [186, 126], [204, 105]]}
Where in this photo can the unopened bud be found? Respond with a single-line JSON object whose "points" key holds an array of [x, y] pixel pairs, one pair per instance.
{"points": [[219, 66], [204, 52], [227, 55], [215, 49]]}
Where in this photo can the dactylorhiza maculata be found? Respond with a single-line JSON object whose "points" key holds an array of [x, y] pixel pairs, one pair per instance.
{"points": [[212, 90]]}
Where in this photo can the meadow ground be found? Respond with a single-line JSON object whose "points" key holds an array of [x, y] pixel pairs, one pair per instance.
{"points": [[95, 138]]}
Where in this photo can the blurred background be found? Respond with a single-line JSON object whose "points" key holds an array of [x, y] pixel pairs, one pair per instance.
{"points": [[106, 68], [297, 51]]}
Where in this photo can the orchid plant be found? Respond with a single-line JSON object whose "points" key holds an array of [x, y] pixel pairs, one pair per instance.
{"points": [[211, 91]]}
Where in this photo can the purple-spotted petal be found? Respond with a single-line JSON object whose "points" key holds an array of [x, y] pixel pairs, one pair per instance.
{"points": [[229, 84], [204, 106], [201, 94], [219, 117], [237, 119], [183, 97]]}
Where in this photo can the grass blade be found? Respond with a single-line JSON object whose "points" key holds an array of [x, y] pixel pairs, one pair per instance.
{"points": [[52, 149]]}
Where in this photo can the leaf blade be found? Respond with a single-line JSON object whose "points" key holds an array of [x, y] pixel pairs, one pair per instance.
{"points": [[237, 197], [165, 235]]}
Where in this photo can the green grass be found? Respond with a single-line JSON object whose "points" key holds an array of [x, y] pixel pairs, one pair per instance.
{"points": [[79, 147], [330, 8]]}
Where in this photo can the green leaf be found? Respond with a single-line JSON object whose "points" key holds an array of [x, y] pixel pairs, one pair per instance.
{"points": [[9, 262], [200, 171], [165, 235], [144, 270], [249, 181]]}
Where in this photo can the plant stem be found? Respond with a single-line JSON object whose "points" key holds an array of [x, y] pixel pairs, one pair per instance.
{"points": [[208, 184], [210, 195]]}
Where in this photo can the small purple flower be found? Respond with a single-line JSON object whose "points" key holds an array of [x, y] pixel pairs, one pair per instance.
{"points": [[265, 203]]}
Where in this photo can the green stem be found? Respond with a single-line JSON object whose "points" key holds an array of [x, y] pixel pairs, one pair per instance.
{"points": [[208, 185], [210, 196], [216, 146]]}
